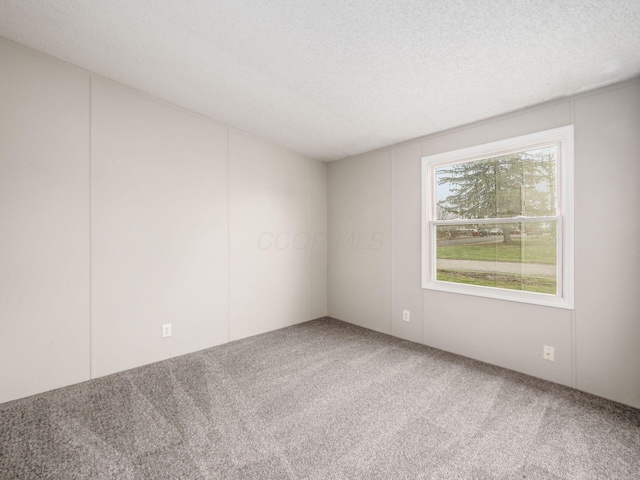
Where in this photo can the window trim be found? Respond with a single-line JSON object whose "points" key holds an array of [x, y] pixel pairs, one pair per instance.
{"points": [[564, 138]]}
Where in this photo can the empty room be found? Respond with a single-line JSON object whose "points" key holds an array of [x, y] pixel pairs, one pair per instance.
{"points": [[355, 239]]}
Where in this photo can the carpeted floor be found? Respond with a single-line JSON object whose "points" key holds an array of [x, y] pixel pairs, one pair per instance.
{"points": [[320, 400]]}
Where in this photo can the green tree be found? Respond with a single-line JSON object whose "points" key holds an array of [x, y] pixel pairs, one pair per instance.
{"points": [[517, 184]]}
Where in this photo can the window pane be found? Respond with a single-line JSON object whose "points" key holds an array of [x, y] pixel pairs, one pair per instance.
{"points": [[520, 256], [521, 183]]}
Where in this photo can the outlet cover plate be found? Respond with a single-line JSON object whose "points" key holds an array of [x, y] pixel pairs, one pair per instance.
{"points": [[166, 330]]}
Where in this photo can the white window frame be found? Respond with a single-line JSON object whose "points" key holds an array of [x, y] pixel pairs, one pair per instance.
{"points": [[563, 138]]}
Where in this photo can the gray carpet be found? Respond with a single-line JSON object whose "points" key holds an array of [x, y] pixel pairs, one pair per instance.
{"points": [[320, 400]]}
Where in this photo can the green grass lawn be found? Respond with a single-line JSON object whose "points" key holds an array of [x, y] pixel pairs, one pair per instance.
{"points": [[529, 249], [490, 279]]}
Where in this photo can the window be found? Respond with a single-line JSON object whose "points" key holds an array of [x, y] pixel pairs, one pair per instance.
{"points": [[498, 219]]}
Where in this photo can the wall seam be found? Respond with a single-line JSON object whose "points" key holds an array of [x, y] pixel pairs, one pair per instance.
{"points": [[228, 239], [91, 359], [574, 342], [327, 245], [423, 312], [311, 225], [392, 329], [326, 237]]}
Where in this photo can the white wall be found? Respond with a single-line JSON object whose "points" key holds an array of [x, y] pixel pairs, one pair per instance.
{"points": [[158, 230], [598, 344], [503, 333], [44, 225], [607, 238], [119, 213], [406, 244], [277, 232], [359, 225]]}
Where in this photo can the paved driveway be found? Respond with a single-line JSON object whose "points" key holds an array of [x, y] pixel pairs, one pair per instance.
{"points": [[537, 269]]}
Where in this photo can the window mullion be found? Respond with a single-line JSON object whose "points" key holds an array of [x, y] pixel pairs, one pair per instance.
{"points": [[489, 221]]}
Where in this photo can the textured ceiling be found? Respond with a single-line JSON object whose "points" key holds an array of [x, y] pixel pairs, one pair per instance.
{"points": [[332, 78]]}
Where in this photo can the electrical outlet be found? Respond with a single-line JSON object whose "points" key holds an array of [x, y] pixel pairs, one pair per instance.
{"points": [[548, 353], [406, 315], [166, 330]]}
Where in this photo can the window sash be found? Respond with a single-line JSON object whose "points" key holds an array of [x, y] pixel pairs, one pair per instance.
{"points": [[486, 221], [433, 264], [491, 153]]}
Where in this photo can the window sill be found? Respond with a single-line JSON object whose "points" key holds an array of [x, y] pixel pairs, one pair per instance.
{"points": [[519, 296]]}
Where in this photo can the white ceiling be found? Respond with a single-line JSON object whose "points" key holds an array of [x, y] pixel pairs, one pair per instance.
{"points": [[332, 78]]}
